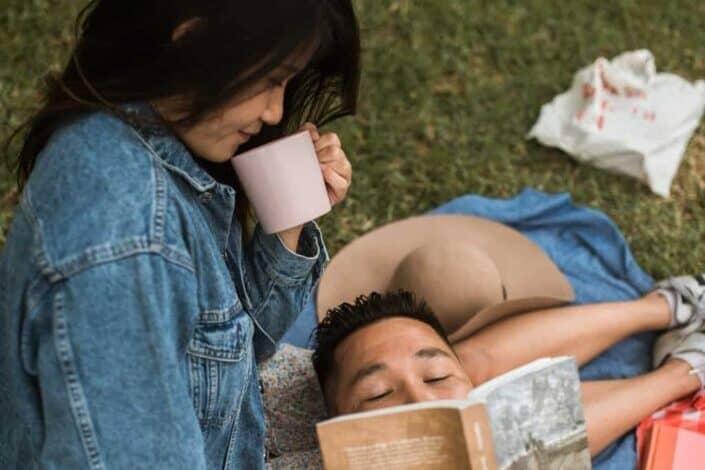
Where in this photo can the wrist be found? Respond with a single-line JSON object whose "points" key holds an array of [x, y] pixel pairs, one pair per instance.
{"points": [[290, 237]]}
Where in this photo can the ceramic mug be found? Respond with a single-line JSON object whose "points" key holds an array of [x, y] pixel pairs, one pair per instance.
{"points": [[284, 182]]}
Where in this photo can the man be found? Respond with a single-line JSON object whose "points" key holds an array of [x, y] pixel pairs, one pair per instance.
{"points": [[390, 349]]}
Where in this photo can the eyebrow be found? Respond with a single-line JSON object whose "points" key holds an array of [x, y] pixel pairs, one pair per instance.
{"points": [[430, 353], [367, 371]]}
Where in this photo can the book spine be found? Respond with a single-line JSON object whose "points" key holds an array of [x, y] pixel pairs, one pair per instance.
{"points": [[478, 438]]}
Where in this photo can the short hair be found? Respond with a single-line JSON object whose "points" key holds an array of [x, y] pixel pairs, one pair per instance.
{"points": [[345, 319]]}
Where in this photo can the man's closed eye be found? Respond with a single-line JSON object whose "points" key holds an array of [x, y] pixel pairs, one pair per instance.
{"points": [[379, 396], [437, 379]]}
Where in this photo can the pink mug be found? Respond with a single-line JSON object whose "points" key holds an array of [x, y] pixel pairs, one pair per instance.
{"points": [[284, 182]]}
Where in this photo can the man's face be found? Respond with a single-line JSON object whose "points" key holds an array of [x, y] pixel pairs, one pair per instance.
{"points": [[393, 362]]}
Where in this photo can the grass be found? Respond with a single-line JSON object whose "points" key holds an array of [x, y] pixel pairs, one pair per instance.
{"points": [[449, 90]]}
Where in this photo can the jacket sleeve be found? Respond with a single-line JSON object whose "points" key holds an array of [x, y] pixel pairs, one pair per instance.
{"points": [[280, 282], [111, 344]]}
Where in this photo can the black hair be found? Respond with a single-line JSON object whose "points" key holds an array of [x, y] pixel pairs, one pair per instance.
{"points": [[124, 52], [345, 319]]}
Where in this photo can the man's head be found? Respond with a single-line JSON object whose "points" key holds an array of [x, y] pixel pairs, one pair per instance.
{"points": [[385, 350]]}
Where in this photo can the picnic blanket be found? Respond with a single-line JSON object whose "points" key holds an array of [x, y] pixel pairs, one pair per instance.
{"points": [[590, 250]]}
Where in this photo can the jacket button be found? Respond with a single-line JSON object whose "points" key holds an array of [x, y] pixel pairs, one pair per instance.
{"points": [[207, 196]]}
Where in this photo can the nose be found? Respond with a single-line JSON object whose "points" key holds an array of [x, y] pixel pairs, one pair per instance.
{"points": [[274, 111], [416, 393]]}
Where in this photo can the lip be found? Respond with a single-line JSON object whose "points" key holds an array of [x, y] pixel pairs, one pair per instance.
{"points": [[244, 135]]}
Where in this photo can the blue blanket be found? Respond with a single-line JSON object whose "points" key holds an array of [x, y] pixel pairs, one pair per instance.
{"points": [[590, 250]]}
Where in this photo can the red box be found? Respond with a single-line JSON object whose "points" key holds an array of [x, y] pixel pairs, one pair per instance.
{"points": [[672, 448]]}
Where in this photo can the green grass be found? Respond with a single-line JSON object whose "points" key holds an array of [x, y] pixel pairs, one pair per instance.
{"points": [[449, 90]]}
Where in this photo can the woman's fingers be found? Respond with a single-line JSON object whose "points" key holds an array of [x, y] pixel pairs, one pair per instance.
{"points": [[329, 139], [331, 154], [335, 158], [342, 168], [337, 170], [312, 129], [336, 185]]}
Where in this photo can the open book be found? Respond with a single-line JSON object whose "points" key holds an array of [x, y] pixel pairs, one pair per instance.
{"points": [[528, 418]]}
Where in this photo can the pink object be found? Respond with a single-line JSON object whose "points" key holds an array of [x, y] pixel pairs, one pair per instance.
{"points": [[284, 182], [672, 448], [687, 414], [690, 452]]}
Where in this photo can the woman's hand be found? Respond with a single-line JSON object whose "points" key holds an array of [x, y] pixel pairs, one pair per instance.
{"points": [[337, 171], [337, 174]]}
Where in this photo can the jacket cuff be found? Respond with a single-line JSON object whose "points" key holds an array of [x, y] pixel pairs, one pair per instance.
{"points": [[289, 267]]}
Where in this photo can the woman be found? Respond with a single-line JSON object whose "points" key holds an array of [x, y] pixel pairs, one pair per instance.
{"points": [[135, 300]]}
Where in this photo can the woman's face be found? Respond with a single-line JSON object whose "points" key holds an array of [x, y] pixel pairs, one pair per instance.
{"points": [[217, 136]]}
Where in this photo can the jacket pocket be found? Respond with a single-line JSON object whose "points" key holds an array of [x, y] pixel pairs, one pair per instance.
{"points": [[219, 363]]}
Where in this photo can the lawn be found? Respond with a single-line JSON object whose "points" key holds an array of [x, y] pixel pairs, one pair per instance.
{"points": [[449, 90]]}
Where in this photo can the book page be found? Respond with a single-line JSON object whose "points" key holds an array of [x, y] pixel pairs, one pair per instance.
{"points": [[537, 418]]}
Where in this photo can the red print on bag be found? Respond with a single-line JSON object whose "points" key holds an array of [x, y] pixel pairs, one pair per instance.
{"points": [[589, 91]]}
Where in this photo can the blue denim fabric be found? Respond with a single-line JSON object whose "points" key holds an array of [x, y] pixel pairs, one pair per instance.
{"points": [[132, 317]]}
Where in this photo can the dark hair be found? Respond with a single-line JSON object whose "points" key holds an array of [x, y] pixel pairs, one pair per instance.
{"points": [[124, 52], [345, 319]]}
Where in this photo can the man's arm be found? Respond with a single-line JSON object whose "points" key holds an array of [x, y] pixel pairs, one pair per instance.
{"points": [[582, 331]]}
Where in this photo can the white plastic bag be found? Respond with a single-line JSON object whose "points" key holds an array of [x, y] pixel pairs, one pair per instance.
{"points": [[622, 116]]}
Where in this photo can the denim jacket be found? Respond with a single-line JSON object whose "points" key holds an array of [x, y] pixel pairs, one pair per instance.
{"points": [[132, 317]]}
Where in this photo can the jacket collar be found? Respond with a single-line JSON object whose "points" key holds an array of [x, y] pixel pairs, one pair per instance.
{"points": [[166, 146]]}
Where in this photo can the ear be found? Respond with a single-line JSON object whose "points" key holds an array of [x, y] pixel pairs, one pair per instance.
{"points": [[185, 27], [329, 393], [329, 401]]}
